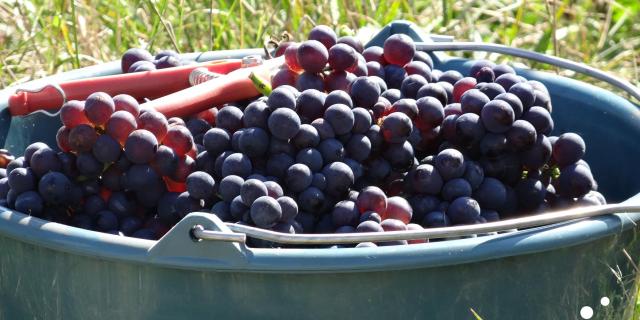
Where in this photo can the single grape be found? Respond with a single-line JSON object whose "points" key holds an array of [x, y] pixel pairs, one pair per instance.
{"points": [[540, 118], [141, 146], [236, 164], [312, 56], [72, 114], [324, 35], [200, 185], [265, 212], [396, 127], [399, 49], [341, 57], [463, 210], [284, 123], [98, 108], [497, 116], [345, 213], [230, 118], [155, 122], [106, 149], [364, 92], [82, 138], [134, 55], [568, 149], [491, 194], [310, 80], [472, 101], [178, 138], [419, 68]]}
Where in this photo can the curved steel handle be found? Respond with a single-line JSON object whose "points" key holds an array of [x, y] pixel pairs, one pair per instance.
{"points": [[445, 232], [540, 57]]}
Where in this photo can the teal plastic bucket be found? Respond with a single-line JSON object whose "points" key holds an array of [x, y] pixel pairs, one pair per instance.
{"points": [[53, 271]]}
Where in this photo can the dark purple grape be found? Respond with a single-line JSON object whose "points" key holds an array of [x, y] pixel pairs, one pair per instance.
{"points": [[281, 97], [501, 69], [430, 113], [30, 203], [230, 118], [106, 149], [254, 142], [497, 116], [311, 158], [339, 178], [230, 187], [323, 34], [345, 213], [312, 56], [436, 219], [106, 221], [186, 204], [400, 156], [141, 66], [141, 146], [331, 150], [531, 193], [479, 64], [423, 204], [278, 164], [310, 104], [55, 187], [507, 80], [359, 69], [298, 177], [336, 97], [139, 177], [340, 117], [543, 100], [451, 76], [311, 200], [274, 189], [540, 118], [522, 135], [45, 160], [236, 164], [374, 53], [491, 90], [484, 74], [167, 62], [394, 75], [98, 107], [469, 129], [134, 55], [456, 188], [375, 69], [568, 149], [419, 68], [265, 212], [473, 100], [364, 92], [426, 179], [538, 155], [283, 77], [82, 138], [353, 42], [216, 140], [309, 80], [411, 85], [435, 90], [493, 144], [391, 95], [491, 194], [399, 49], [338, 80], [31, 149], [200, 185], [342, 57], [369, 226], [251, 190], [284, 123], [525, 93], [396, 127], [21, 180], [513, 101], [307, 137], [463, 210], [120, 204], [358, 147]]}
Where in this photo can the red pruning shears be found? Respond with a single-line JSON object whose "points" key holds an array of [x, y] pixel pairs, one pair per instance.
{"points": [[149, 84]]}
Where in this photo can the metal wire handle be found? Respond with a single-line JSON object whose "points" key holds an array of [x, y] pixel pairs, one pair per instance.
{"points": [[431, 233], [540, 57]]}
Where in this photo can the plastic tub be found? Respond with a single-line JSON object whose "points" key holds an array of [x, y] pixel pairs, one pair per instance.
{"points": [[48, 270]]}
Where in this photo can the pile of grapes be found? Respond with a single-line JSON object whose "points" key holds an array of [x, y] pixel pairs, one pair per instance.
{"points": [[139, 60], [349, 140]]}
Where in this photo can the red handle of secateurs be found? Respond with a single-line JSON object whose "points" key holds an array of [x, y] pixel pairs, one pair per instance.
{"points": [[232, 87], [148, 84]]}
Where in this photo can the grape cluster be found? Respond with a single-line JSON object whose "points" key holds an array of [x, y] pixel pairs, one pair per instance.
{"points": [[116, 166], [137, 60], [349, 140]]}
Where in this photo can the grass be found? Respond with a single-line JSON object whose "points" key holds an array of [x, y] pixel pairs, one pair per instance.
{"points": [[42, 37]]}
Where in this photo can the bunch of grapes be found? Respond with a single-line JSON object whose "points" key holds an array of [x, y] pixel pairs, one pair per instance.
{"points": [[137, 60], [349, 140], [116, 165]]}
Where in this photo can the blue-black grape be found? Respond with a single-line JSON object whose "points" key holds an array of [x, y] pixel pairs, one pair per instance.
{"points": [[284, 123], [345, 213], [463, 210], [251, 190], [298, 177], [540, 118], [106, 149], [456, 188], [230, 187], [393, 76], [491, 194], [473, 100], [426, 179], [568, 149], [396, 127], [525, 93], [200, 185], [265, 212], [411, 85], [311, 158], [236, 164], [331, 150], [531, 193], [522, 135]]}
